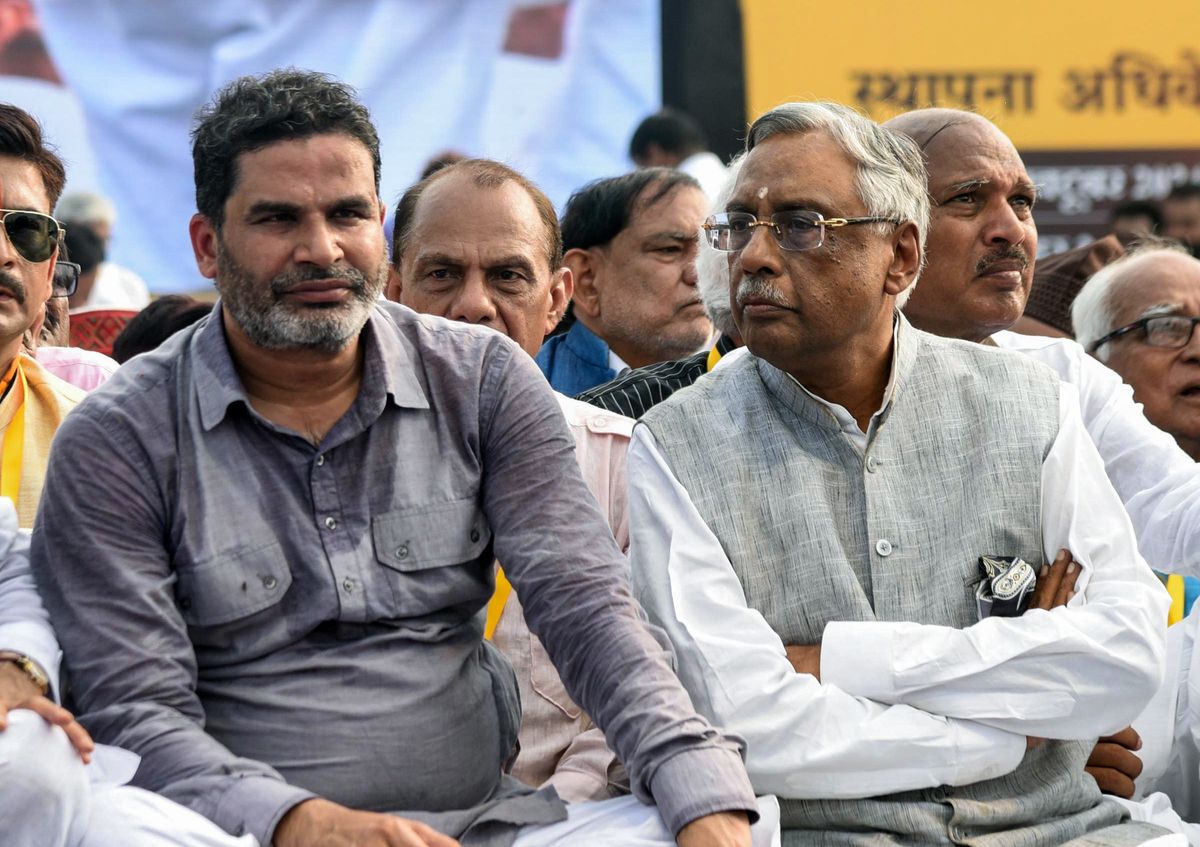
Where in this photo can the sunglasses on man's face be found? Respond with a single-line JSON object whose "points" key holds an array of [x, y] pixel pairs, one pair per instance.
{"points": [[32, 234]]}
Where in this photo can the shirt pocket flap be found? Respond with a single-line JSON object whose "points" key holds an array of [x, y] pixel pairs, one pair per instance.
{"points": [[233, 585], [431, 536]]}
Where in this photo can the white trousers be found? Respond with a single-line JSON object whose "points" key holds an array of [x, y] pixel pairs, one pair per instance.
{"points": [[47, 800], [626, 822]]}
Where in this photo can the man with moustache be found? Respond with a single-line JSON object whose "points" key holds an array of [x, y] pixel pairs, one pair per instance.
{"points": [[33, 402], [977, 277], [267, 544], [825, 559], [630, 245]]}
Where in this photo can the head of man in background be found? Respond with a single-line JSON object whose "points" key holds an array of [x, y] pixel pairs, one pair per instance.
{"points": [[666, 139], [672, 139], [1136, 219], [86, 249], [631, 244], [1181, 215], [982, 238], [477, 242], [1138, 315], [90, 210]]}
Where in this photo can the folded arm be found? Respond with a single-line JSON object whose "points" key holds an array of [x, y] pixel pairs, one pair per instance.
{"points": [[1079, 671], [805, 739]]}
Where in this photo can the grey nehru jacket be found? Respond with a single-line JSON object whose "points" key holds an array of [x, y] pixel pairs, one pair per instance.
{"points": [[952, 470], [262, 620]]}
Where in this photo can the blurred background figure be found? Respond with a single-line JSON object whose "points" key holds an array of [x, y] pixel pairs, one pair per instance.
{"points": [[111, 286], [156, 323], [671, 139], [1136, 219], [1181, 215]]}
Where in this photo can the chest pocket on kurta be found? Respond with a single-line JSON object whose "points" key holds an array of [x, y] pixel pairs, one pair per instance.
{"points": [[432, 554], [232, 585]]}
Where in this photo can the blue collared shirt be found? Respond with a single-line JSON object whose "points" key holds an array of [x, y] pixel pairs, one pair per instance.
{"points": [[261, 619]]}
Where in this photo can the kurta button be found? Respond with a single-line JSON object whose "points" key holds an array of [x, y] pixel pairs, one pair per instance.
{"points": [[320, 459], [872, 465], [331, 523], [474, 535], [402, 551], [348, 585], [883, 547], [269, 582]]}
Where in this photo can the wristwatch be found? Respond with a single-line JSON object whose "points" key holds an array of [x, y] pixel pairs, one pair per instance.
{"points": [[30, 668]]}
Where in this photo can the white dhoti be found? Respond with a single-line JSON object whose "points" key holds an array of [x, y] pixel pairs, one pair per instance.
{"points": [[626, 822], [49, 799]]}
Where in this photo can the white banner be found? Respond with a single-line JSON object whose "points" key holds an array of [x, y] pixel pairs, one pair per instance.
{"points": [[552, 88]]}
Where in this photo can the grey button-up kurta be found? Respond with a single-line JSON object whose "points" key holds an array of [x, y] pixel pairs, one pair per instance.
{"points": [[261, 619]]}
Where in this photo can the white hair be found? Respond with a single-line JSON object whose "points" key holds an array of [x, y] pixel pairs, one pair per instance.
{"points": [[84, 207], [712, 265], [891, 178], [1093, 312]]}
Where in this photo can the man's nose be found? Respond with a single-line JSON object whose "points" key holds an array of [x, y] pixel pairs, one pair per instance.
{"points": [[762, 254], [319, 245], [1003, 225], [473, 304]]}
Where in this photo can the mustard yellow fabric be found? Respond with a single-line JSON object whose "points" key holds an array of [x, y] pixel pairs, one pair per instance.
{"points": [[40, 401]]}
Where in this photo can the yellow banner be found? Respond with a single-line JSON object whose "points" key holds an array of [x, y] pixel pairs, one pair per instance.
{"points": [[1098, 75]]}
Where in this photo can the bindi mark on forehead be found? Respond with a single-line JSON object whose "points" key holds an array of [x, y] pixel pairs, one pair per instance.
{"points": [[762, 192]]}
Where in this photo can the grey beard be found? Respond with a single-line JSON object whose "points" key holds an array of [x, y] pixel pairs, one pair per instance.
{"points": [[274, 325]]}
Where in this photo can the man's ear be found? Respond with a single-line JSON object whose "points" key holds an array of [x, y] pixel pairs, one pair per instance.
{"points": [[584, 267], [204, 245], [562, 286], [906, 259], [395, 286]]}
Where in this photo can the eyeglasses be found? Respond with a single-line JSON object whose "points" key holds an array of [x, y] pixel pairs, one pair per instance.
{"points": [[1161, 331], [66, 278], [32, 234], [799, 229]]}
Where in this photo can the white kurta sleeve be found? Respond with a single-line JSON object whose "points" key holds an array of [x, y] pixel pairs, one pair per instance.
{"points": [[1079, 671], [804, 739], [24, 624], [1157, 481]]}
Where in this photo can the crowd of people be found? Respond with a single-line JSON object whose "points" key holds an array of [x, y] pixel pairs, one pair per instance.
{"points": [[726, 509]]}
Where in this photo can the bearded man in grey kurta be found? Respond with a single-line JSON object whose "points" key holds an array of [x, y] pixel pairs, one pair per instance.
{"points": [[807, 522]]}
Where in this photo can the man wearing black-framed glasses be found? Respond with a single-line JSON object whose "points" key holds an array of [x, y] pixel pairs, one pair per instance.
{"points": [[1138, 316]]}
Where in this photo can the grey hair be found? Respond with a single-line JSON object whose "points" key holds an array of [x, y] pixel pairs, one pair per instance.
{"points": [[891, 177], [86, 208], [1093, 313], [712, 266]]}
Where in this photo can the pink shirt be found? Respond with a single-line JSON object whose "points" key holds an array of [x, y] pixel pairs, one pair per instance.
{"points": [[85, 369]]}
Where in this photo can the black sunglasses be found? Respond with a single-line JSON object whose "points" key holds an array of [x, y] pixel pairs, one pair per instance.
{"points": [[66, 278], [32, 234]]}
